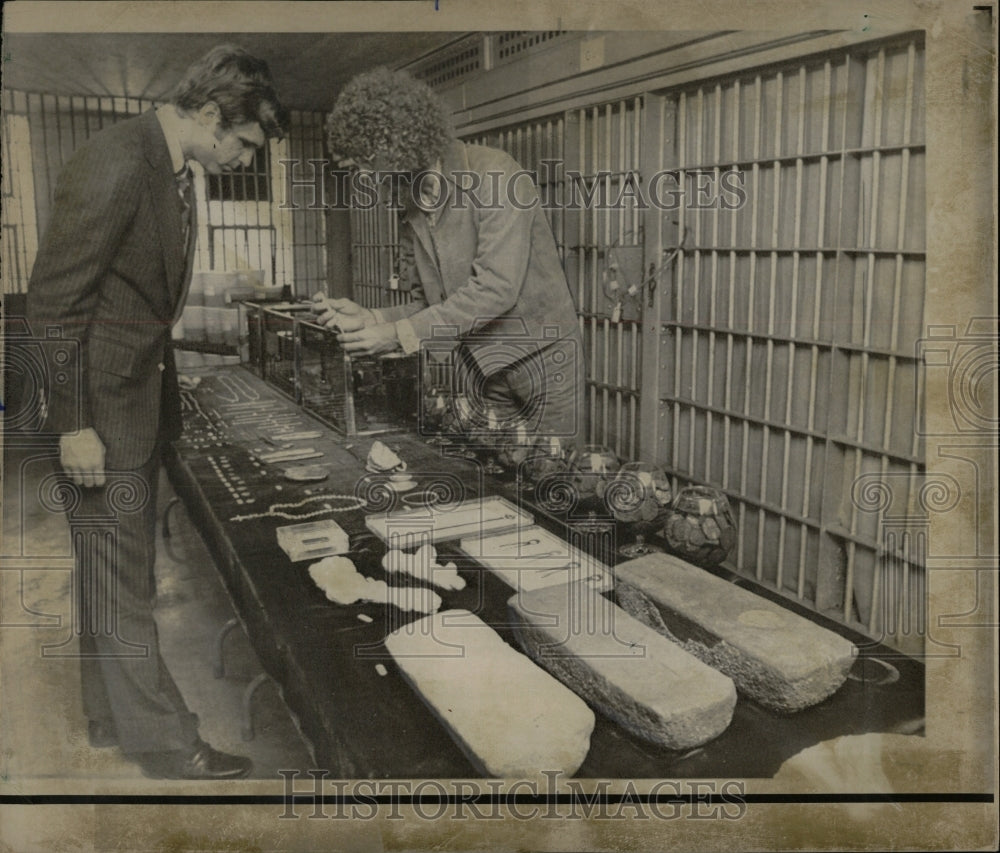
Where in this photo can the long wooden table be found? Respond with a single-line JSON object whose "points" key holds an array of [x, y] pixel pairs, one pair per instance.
{"points": [[329, 663]]}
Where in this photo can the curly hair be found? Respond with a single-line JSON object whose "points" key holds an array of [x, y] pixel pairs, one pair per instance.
{"points": [[239, 84], [390, 120]]}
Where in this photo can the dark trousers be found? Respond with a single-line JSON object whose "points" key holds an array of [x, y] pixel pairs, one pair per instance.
{"points": [[125, 681]]}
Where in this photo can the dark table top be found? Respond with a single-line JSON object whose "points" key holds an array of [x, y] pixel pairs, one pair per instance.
{"points": [[362, 723]]}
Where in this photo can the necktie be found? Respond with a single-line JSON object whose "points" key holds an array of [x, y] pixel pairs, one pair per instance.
{"points": [[185, 191]]}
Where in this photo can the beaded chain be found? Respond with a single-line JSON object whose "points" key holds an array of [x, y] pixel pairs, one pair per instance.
{"points": [[274, 510]]}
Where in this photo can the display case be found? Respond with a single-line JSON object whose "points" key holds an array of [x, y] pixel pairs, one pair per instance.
{"points": [[355, 396], [304, 360], [252, 337], [278, 334]]}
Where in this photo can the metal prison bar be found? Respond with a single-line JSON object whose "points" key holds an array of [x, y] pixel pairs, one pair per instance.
{"points": [[783, 333], [599, 146], [794, 321], [375, 254], [242, 222]]}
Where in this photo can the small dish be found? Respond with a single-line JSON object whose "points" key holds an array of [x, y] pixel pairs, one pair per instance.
{"points": [[306, 473]]}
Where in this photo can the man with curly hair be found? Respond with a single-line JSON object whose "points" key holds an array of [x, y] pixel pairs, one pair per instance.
{"points": [[476, 253]]}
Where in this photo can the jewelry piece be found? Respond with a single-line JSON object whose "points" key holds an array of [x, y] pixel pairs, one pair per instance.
{"points": [[526, 544], [275, 509], [189, 398]]}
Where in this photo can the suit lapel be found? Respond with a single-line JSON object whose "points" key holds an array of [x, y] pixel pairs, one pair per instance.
{"points": [[163, 190]]}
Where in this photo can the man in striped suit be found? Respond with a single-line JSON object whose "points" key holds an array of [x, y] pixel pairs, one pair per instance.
{"points": [[110, 278]]}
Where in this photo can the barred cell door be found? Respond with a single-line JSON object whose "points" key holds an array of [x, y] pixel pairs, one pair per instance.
{"points": [[582, 161], [789, 323]]}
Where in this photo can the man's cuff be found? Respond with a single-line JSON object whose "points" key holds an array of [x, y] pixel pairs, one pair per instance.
{"points": [[378, 315], [408, 339]]}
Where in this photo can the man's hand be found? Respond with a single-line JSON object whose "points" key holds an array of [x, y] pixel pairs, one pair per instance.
{"points": [[82, 457], [371, 340], [345, 314]]}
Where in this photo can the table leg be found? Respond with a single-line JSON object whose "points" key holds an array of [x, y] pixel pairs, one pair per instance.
{"points": [[166, 515], [247, 730], [218, 661]]}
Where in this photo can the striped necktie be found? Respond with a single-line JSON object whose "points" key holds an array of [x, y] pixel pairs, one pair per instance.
{"points": [[185, 191]]}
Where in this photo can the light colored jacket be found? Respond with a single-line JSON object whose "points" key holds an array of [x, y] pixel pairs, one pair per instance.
{"points": [[482, 270]]}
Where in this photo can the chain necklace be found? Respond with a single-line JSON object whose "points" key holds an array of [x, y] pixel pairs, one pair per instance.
{"points": [[275, 510]]}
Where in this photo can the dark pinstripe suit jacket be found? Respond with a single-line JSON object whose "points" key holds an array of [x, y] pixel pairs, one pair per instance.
{"points": [[111, 274]]}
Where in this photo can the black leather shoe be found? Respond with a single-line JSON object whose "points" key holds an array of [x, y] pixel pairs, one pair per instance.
{"points": [[200, 762], [101, 735]]}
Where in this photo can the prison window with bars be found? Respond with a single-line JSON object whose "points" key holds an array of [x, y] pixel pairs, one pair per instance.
{"points": [[242, 223], [247, 183]]}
